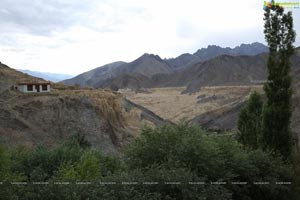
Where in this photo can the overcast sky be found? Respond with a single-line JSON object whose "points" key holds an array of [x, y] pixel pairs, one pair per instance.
{"points": [[73, 36]]}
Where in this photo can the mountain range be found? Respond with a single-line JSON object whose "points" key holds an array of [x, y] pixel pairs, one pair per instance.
{"points": [[151, 71]]}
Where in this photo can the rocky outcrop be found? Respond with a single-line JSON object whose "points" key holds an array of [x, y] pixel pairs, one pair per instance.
{"points": [[47, 119]]}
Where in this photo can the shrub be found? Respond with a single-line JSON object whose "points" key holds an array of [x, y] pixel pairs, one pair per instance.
{"points": [[213, 157]]}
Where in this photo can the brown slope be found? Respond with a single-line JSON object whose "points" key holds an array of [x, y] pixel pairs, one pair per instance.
{"points": [[92, 77], [105, 118], [148, 65], [225, 70], [126, 80], [138, 73], [9, 77], [183, 61]]}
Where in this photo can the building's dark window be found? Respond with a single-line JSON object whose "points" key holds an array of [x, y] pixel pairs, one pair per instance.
{"points": [[44, 87], [29, 87]]}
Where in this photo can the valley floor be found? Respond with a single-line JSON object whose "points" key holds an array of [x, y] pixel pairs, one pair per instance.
{"points": [[171, 104]]}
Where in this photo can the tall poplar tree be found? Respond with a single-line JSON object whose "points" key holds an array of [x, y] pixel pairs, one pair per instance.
{"points": [[277, 111]]}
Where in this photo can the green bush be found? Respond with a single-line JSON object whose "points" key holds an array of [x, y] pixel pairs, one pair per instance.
{"points": [[182, 154], [214, 157]]}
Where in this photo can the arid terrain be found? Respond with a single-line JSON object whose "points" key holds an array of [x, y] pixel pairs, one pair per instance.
{"points": [[171, 104]]}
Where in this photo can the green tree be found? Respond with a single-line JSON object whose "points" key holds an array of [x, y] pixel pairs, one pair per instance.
{"points": [[280, 36], [249, 122]]}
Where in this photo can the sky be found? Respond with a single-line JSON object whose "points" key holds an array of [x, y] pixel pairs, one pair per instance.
{"points": [[74, 36]]}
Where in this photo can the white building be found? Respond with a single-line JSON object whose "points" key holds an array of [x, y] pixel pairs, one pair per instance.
{"points": [[33, 87]]}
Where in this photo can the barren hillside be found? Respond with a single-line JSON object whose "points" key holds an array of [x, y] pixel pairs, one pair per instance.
{"points": [[105, 118]]}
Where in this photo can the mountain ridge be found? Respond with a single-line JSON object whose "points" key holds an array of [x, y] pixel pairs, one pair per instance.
{"points": [[146, 65], [149, 70], [213, 51]]}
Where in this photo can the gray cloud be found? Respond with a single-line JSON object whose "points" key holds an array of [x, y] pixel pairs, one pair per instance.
{"points": [[41, 17]]}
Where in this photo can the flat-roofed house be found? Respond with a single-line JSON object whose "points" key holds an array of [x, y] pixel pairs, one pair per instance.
{"points": [[33, 86]]}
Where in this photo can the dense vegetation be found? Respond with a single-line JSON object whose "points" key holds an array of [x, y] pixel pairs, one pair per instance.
{"points": [[170, 162]]}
